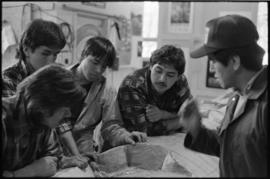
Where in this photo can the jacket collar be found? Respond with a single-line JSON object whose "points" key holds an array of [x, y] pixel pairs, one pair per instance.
{"points": [[258, 84]]}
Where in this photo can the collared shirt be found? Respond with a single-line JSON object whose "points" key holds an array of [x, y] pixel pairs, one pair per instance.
{"points": [[22, 142], [241, 142], [97, 106], [136, 92], [12, 76]]}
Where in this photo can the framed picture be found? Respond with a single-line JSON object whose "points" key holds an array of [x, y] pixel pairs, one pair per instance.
{"points": [[136, 51], [180, 16], [211, 80], [95, 4]]}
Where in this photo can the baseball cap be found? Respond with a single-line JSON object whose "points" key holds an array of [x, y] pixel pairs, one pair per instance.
{"points": [[230, 31]]}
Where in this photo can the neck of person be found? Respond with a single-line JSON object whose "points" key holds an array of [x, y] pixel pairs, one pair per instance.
{"points": [[30, 69], [243, 78], [80, 76]]}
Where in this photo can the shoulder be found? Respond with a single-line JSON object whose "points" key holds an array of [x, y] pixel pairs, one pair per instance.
{"points": [[136, 79], [182, 86]]}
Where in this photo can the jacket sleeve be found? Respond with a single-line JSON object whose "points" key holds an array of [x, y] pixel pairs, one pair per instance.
{"points": [[50, 145], [112, 123], [207, 141]]}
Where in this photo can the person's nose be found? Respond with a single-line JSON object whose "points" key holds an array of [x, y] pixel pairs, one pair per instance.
{"points": [[162, 78], [99, 69]]}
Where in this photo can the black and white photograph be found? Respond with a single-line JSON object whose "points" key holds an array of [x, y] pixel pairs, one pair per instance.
{"points": [[134, 89]]}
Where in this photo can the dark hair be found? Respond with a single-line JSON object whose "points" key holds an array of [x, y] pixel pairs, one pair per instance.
{"points": [[170, 55], [50, 88], [251, 56], [41, 32], [99, 47]]}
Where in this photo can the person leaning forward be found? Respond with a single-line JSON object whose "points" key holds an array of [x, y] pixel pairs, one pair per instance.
{"points": [[43, 99], [150, 98], [241, 140]]}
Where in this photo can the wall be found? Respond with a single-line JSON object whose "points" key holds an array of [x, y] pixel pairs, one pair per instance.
{"points": [[202, 12], [70, 12]]}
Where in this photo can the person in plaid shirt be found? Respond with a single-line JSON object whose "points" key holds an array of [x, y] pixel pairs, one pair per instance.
{"points": [[39, 46], [29, 146], [150, 98]]}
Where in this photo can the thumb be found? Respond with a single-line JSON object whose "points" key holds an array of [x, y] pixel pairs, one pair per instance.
{"points": [[129, 140]]}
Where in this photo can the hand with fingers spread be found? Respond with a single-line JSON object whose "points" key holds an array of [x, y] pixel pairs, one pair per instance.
{"points": [[190, 117], [153, 113]]}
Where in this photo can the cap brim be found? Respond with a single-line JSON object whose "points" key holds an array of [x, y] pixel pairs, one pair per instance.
{"points": [[203, 51]]}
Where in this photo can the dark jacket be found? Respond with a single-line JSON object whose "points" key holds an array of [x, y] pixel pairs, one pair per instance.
{"points": [[240, 143]]}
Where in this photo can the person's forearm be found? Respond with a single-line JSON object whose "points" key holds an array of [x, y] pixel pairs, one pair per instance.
{"points": [[70, 143], [168, 115], [172, 124]]}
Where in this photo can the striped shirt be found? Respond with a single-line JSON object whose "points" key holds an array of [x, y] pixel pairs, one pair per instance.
{"points": [[22, 142], [12, 76]]}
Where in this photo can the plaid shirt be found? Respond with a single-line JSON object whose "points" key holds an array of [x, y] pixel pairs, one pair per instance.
{"points": [[12, 76], [22, 143], [136, 92]]}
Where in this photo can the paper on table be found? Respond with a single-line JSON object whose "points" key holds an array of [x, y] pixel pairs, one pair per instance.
{"points": [[75, 172], [199, 164]]}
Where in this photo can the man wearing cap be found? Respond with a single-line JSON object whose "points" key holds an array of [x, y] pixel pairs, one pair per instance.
{"points": [[241, 140]]}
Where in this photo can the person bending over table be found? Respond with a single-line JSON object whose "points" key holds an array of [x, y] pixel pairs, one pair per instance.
{"points": [[29, 147]]}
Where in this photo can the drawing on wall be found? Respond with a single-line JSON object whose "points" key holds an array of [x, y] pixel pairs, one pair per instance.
{"points": [[136, 24], [136, 52], [211, 80], [180, 17]]}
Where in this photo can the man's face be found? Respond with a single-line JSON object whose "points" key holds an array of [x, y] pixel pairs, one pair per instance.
{"points": [[163, 77], [54, 120], [92, 68], [41, 56], [224, 74]]}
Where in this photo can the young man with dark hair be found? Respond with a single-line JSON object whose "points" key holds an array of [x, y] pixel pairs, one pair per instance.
{"points": [[150, 98], [241, 141], [39, 45], [29, 146], [80, 135]]}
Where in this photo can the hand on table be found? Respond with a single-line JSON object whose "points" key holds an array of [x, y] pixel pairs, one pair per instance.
{"points": [[132, 137], [74, 161]]}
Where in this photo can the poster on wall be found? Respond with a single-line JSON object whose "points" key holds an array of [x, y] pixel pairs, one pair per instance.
{"points": [[180, 16]]}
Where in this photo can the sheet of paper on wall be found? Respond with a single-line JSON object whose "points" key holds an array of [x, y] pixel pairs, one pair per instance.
{"points": [[8, 36]]}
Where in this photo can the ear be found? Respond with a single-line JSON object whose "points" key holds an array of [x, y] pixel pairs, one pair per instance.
{"points": [[236, 62], [26, 51], [66, 111]]}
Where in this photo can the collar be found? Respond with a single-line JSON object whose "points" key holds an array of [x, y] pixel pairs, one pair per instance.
{"points": [[257, 84], [26, 68]]}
